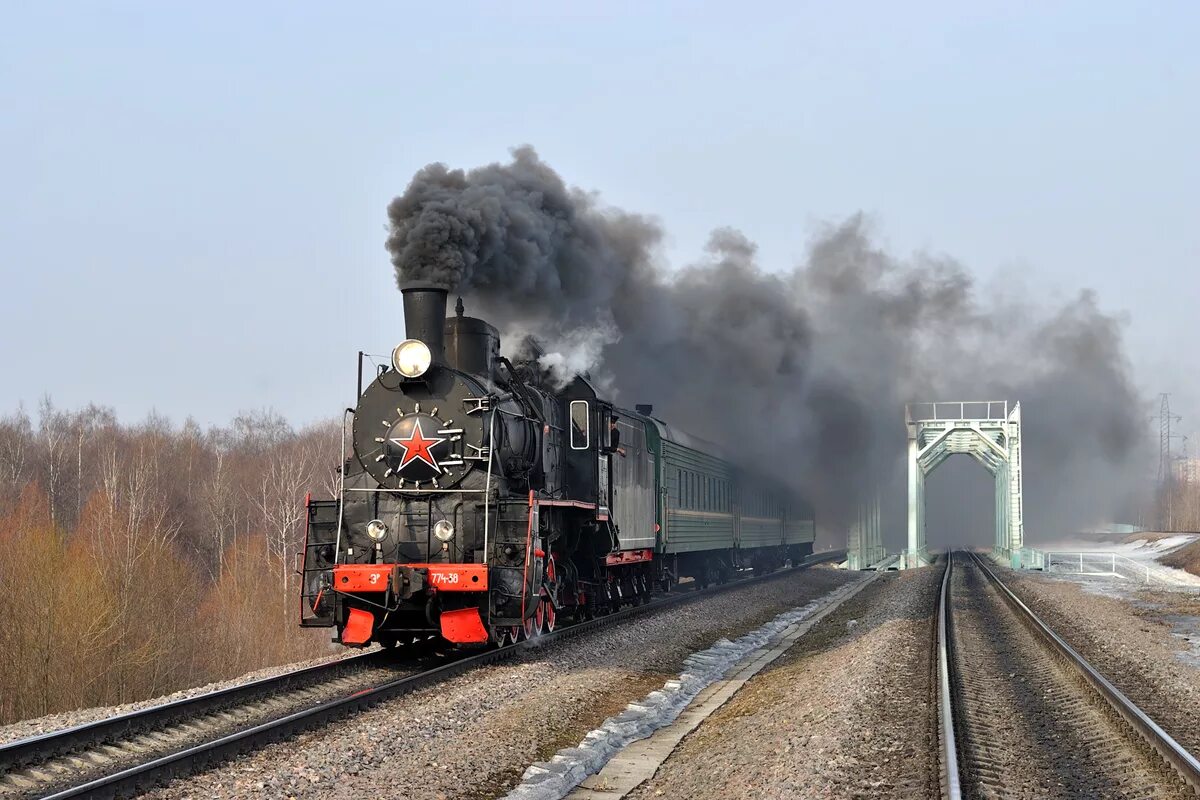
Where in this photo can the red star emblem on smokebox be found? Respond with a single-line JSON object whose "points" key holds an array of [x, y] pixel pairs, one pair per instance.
{"points": [[418, 448]]}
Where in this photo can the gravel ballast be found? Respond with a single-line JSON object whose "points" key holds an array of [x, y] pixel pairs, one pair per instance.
{"points": [[472, 736], [846, 713], [1130, 640], [1027, 725]]}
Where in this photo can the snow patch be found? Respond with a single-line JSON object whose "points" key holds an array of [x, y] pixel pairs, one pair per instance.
{"points": [[1145, 552], [1139, 549], [1162, 546]]}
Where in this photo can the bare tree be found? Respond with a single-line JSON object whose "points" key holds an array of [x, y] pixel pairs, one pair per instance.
{"points": [[280, 499], [16, 444], [220, 511], [324, 442], [261, 430], [144, 559], [54, 428], [87, 424]]}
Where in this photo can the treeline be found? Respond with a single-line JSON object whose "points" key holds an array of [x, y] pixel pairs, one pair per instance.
{"points": [[1176, 506], [136, 560]]}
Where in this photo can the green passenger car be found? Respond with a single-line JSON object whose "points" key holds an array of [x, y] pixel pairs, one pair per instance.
{"points": [[712, 517]]}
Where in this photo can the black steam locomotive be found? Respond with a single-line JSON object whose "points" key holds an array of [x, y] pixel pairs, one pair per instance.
{"points": [[480, 503]]}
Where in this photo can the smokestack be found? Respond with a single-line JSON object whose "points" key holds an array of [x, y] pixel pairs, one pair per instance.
{"points": [[425, 315]]}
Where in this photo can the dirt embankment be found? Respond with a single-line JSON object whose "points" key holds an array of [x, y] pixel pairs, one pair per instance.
{"points": [[1186, 558]]}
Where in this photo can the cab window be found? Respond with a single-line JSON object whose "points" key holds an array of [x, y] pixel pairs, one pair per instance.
{"points": [[580, 425]]}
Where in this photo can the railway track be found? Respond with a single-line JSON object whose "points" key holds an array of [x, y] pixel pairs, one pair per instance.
{"points": [[1022, 715], [131, 752], [42, 764]]}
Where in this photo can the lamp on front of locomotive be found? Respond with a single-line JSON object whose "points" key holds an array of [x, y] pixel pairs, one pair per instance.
{"points": [[443, 530], [411, 358], [376, 530]]}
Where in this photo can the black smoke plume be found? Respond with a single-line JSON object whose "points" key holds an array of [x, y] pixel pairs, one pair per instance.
{"points": [[802, 373]]}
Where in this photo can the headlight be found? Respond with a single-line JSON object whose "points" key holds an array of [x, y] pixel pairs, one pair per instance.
{"points": [[443, 530], [376, 530], [411, 358]]}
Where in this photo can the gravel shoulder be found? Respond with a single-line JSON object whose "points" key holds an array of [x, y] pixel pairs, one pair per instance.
{"points": [[1132, 641], [473, 736], [846, 713]]}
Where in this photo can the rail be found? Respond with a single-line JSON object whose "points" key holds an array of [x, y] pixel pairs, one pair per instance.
{"points": [[36, 749], [193, 758], [950, 779], [1171, 751]]}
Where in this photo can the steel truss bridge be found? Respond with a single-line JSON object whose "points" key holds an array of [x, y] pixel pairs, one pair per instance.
{"points": [[988, 431]]}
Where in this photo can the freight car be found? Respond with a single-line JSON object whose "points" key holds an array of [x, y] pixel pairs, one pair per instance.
{"points": [[479, 502]]}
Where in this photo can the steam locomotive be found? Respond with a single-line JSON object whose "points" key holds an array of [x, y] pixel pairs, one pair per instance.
{"points": [[481, 503]]}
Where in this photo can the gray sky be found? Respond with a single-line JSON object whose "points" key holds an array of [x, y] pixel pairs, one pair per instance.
{"points": [[192, 200]]}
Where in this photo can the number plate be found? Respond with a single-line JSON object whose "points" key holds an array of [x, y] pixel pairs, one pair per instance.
{"points": [[458, 577]]}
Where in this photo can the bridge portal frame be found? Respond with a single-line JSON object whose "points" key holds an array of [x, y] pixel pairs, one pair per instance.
{"points": [[988, 431]]}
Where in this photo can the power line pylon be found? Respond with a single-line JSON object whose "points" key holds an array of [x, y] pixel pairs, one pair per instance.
{"points": [[1165, 418], [1166, 470]]}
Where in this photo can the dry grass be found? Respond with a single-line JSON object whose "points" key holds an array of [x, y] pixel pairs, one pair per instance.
{"points": [[1185, 558]]}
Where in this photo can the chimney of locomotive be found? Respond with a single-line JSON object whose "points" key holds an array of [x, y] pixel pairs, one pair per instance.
{"points": [[425, 316]]}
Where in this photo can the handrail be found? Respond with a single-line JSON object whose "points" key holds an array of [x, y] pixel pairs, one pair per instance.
{"points": [[337, 544], [913, 415], [487, 486], [1097, 559]]}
